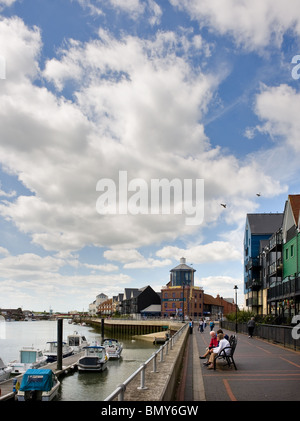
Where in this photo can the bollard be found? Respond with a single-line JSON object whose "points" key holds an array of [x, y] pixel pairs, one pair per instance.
{"points": [[161, 354], [122, 392], [142, 386], [154, 364]]}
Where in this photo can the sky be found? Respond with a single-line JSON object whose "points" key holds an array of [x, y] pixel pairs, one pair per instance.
{"points": [[100, 100]]}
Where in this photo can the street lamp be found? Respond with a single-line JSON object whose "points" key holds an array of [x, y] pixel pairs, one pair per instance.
{"points": [[235, 288]]}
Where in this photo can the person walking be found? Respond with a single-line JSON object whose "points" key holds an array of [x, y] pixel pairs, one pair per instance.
{"points": [[201, 325], [251, 326], [211, 325]]}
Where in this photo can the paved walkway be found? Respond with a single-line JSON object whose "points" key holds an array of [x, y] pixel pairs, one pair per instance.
{"points": [[265, 372]]}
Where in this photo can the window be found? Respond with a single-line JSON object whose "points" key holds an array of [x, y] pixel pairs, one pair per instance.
{"points": [[287, 253], [292, 250]]}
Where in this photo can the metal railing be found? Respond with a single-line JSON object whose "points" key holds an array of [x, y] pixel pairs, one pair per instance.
{"points": [[119, 392], [278, 334]]}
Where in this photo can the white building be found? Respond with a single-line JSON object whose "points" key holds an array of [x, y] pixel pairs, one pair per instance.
{"points": [[94, 305]]}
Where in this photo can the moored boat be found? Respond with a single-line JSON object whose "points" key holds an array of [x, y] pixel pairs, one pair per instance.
{"points": [[38, 384], [30, 357], [77, 342], [51, 351], [113, 348], [94, 359], [5, 371]]}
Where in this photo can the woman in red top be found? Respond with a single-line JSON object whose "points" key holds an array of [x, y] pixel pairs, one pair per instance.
{"points": [[213, 344]]}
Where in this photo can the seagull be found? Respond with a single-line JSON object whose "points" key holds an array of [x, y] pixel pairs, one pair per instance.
{"points": [[258, 194], [224, 206]]}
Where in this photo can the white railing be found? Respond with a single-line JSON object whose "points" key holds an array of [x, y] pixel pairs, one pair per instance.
{"points": [[120, 390]]}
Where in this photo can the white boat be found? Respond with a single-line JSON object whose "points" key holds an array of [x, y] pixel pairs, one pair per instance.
{"points": [[5, 371], [94, 359], [113, 348], [51, 351], [77, 342], [39, 385], [30, 357]]}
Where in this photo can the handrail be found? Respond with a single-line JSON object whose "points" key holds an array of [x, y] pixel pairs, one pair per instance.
{"points": [[120, 390]]}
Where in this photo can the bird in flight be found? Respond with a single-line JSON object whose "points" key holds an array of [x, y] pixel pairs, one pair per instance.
{"points": [[222, 204], [258, 194]]}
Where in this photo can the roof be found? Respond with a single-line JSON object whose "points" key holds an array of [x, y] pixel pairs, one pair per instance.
{"points": [[295, 205], [210, 300], [264, 223], [153, 308], [183, 266]]}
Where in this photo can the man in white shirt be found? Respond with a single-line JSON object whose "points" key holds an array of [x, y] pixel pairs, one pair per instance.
{"points": [[223, 343]]}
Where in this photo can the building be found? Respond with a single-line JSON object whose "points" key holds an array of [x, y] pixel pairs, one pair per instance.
{"points": [[284, 291], [135, 300], [258, 230], [212, 307], [181, 298], [106, 308], [93, 307]]}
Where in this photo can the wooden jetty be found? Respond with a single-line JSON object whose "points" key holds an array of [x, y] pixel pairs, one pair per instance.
{"points": [[69, 365]]}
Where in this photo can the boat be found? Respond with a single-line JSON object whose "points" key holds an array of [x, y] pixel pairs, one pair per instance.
{"points": [[51, 351], [77, 342], [94, 359], [5, 371], [38, 384], [30, 357], [113, 348]]}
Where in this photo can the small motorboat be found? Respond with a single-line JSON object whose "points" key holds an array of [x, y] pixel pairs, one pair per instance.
{"points": [[5, 371], [38, 384], [30, 357], [94, 359], [77, 342], [113, 348], [51, 351]]}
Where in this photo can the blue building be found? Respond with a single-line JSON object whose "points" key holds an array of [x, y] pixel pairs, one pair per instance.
{"points": [[259, 228]]}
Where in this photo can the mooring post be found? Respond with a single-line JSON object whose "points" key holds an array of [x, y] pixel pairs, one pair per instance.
{"points": [[102, 330], [59, 343]]}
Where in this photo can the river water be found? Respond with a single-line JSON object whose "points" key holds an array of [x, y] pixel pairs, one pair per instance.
{"points": [[76, 386]]}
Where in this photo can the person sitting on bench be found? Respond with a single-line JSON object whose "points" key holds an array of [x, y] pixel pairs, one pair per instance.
{"points": [[223, 343], [213, 343]]}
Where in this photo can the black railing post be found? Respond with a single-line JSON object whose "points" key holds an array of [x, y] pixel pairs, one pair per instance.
{"points": [[59, 343]]}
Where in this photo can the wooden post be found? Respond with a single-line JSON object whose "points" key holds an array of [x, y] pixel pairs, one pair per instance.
{"points": [[102, 330]]}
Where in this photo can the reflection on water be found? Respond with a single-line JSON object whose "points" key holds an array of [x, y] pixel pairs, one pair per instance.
{"points": [[77, 386]]}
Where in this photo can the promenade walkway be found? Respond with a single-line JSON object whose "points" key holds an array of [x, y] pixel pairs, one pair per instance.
{"points": [[265, 372]]}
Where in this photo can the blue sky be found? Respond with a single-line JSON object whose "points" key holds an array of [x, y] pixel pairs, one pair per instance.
{"points": [[173, 89]]}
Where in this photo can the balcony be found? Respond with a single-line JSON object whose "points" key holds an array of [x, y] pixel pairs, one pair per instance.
{"points": [[284, 290], [276, 267], [254, 284], [253, 263], [276, 241]]}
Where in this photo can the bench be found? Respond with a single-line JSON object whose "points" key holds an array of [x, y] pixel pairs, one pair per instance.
{"points": [[227, 356]]}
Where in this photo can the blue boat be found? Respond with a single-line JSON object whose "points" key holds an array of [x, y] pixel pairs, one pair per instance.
{"points": [[38, 384]]}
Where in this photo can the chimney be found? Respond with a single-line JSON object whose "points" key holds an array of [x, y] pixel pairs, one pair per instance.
{"points": [[182, 260]]}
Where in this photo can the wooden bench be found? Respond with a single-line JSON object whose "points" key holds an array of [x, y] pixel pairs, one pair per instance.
{"points": [[226, 355]]}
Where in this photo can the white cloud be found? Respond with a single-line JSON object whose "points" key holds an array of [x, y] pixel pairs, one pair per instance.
{"points": [[223, 285], [278, 107], [253, 24], [215, 251], [129, 94], [133, 259]]}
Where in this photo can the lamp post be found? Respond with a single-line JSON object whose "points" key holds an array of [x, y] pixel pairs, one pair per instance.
{"points": [[235, 288]]}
